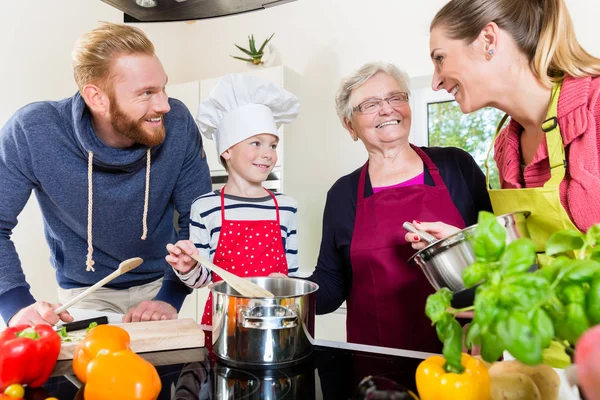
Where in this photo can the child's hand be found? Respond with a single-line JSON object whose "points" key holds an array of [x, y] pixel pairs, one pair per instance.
{"points": [[178, 260]]}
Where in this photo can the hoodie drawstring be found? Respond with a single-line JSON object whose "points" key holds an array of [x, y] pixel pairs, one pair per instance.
{"points": [[89, 261], [146, 198]]}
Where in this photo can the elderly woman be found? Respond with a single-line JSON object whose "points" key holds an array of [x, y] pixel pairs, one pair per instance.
{"points": [[524, 59], [363, 255]]}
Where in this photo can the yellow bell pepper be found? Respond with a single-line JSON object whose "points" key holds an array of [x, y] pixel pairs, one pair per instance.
{"points": [[434, 383]]}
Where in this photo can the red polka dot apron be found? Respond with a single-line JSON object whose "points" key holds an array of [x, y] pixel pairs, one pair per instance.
{"points": [[247, 248]]}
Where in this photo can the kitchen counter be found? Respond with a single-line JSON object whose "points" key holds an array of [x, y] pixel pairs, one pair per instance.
{"points": [[333, 371]]}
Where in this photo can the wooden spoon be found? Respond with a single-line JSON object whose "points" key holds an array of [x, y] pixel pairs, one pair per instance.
{"points": [[124, 267], [243, 286]]}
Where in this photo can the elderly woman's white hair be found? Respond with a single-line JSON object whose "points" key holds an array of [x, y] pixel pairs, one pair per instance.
{"points": [[343, 96]]}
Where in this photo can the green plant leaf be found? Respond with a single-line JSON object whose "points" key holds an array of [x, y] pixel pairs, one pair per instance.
{"points": [[592, 237], [489, 238], [526, 345], [549, 272], [474, 274], [437, 303], [265, 43], [473, 336], [518, 257], [453, 347], [441, 325], [252, 43], [248, 52], [491, 347], [486, 305], [243, 59], [563, 242], [582, 271], [543, 326]]}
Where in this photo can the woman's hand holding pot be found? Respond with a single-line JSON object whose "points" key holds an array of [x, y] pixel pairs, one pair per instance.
{"points": [[438, 229]]}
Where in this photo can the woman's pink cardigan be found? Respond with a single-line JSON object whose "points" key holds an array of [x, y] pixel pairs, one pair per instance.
{"points": [[579, 121]]}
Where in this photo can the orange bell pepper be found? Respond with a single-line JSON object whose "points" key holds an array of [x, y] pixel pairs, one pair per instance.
{"points": [[100, 339], [434, 383], [123, 375]]}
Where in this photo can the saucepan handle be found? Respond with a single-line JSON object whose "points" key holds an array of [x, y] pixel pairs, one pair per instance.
{"points": [[268, 317], [424, 235]]}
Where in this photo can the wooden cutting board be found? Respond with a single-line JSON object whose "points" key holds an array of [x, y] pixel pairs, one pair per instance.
{"points": [[149, 336]]}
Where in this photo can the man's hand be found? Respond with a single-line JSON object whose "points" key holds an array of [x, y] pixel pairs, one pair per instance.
{"points": [[40, 312], [151, 310]]}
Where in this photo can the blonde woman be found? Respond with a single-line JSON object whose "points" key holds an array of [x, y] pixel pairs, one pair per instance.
{"points": [[523, 58]]}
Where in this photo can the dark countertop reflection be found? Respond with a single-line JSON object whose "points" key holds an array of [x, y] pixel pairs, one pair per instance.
{"points": [[331, 372]]}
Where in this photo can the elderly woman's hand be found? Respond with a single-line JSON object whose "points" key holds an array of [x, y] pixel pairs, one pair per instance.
{"points": [[439, 230]]}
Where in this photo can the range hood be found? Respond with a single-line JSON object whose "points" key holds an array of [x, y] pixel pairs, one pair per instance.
{"points": [[184, 10]]}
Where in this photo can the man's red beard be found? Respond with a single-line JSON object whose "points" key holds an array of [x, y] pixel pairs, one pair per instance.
{"points": [[135, 130]]}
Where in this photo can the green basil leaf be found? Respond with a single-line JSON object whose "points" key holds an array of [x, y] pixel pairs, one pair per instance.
{"points": [[489, 238], [574, 293], [555, 309], [437, 303], [592, 236], [549, 272], [543, 326], [491, 347], [504, 335], [526, 345], [582, 271], [577, 322], [486, 305], [473, 336], [526, 290], [518, 257], [453, 347], [595, 253], [564, 242], [474, 274], [441, 326], [593, 302]]}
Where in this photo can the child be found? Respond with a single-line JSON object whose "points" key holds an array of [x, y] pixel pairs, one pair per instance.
{"points": [[243, 228]]}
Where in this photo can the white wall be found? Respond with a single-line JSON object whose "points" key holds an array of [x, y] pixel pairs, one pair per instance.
{"points": [[322, 40]]}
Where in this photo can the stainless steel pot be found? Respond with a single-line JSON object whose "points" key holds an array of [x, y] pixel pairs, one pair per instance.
{"points": [[443, 261], [264, 331]]}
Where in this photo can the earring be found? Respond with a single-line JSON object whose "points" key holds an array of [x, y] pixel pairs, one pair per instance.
{"points": [[489, 54]]}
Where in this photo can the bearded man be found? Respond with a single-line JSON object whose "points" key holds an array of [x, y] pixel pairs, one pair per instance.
{"points": [[109, 166]]}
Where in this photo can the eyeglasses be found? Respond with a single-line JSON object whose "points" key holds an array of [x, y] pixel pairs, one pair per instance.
{"points": [[373, 105]]}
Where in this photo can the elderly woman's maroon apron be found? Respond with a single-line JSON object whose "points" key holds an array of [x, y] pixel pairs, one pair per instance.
{"points": [[386, 305]]}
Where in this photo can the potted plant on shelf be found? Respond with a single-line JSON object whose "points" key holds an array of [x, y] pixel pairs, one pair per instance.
{"points": [[538, 317], [255, 56]]}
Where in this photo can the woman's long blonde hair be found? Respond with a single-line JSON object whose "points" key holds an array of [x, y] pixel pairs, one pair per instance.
{"points": [[542, 29]]}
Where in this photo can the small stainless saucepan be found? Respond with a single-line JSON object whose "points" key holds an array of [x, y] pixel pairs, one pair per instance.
{"points": [[443, 260]]}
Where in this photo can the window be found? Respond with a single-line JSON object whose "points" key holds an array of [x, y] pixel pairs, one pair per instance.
{"points": [[438, 121]]}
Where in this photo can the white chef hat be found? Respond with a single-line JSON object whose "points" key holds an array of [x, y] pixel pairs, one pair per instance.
{"points": [[241, 106]]}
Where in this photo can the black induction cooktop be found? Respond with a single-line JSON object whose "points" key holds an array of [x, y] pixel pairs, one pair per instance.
{"points": [[329, 373]]}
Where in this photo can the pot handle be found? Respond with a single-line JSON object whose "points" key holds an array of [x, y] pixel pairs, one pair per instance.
{"points": [[268, 317]]}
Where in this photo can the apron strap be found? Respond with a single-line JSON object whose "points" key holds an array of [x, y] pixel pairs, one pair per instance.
{"points": [[431, 167], [361, 183], [268, 191], [556, 149]]}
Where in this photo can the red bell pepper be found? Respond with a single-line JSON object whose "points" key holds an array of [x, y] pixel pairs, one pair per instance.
{"points": [[28, 355]]}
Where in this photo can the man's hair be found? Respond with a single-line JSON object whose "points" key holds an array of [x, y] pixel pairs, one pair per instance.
{"points": [[96, 50]]}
